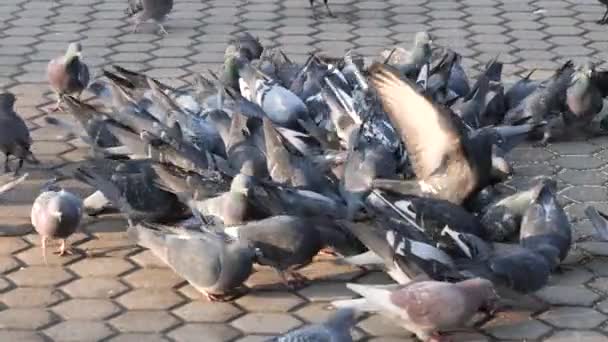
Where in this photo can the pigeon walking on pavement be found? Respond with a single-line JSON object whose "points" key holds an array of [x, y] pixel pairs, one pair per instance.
{"points": [[56, 213], [155, 10], [15, 137], [68, 74], [427, 308]]}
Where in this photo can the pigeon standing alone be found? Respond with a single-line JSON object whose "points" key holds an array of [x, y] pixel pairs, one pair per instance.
{"points": [[144, 10], [67, 74], [14, 135], [56, 213]]}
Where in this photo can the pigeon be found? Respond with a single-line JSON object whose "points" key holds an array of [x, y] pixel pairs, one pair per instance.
{"points": [[599, 220], [502, 219], [15, 136], [410, 62], [448, 163], [231, 207], [545, 103], [56, 213], [335, 329], [604, 19], [585, 95], [210, 263], [144, 10], [289, 242], [428, 308], [546, 223], [68, 74], [510, 267]]}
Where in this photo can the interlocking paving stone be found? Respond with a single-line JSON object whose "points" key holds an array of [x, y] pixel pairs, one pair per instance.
{"points": [[192, 332], [516, 326], [78, 331], [141, 321], [21, 336], [138, 338], [25, 319], [153, 278], [199, 311], [29, 297], [573, 317], [86, 309], [568, 295], [94, 288], [40, 276], [269, 301], [266, 323], [577, 335]]}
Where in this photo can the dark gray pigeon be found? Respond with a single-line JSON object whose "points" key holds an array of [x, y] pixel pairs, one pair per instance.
{"points": [[502, 219], [210, 263], [56, 214], [67, 74], [289, 242], [144, 10], [335, 329], [15, 136], [546, 223]]}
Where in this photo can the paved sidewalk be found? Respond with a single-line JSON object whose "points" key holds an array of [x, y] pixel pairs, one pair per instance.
{"points": [[122, 293]]}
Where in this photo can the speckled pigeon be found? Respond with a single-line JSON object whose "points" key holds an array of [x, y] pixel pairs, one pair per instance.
{"points": [[56, 213], [67, 74], [144, 10]]}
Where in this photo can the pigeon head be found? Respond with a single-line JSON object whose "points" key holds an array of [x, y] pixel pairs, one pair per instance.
{"points": [[74, 50], [482, 290], [423, 38], [7, 100]]}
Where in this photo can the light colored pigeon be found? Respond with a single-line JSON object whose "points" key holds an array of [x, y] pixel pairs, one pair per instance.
{"points": [[428, 307], [144, 10], [15, 137], [210, 263], [67, 74], [232, 206], [56, 213], [335, 329]]}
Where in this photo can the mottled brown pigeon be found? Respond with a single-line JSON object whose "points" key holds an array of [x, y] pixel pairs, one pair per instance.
{"points": [[14, 135], [67, 74], [143, 10], [428, 307], [56, 213]]}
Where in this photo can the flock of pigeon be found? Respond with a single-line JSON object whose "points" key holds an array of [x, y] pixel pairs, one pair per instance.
{"points": [[270, 162]]}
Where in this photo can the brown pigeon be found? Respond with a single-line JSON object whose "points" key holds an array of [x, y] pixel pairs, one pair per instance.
{"points": [[155, 10], [428, 307], [67, 74]]}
